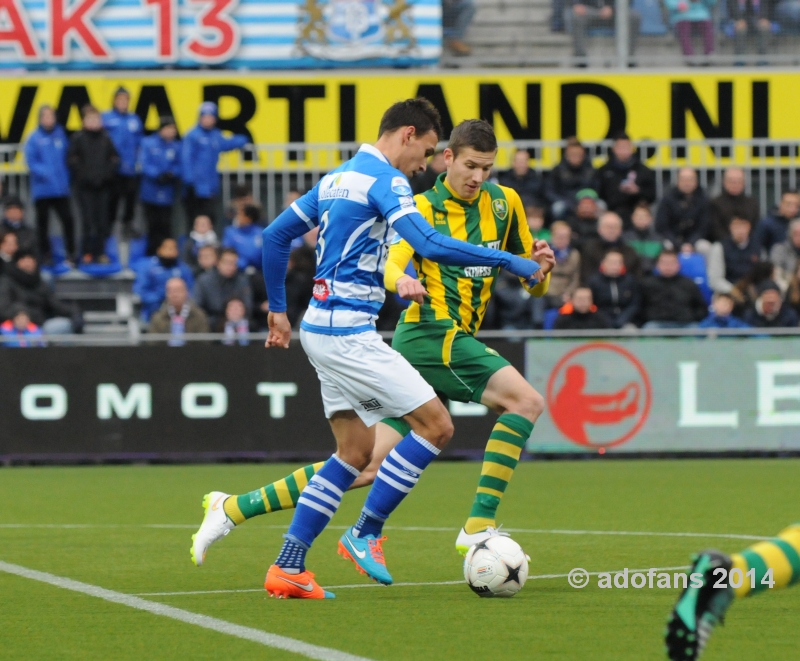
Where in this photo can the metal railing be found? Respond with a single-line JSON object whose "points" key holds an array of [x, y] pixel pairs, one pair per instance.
{"points": [[771, 165]]}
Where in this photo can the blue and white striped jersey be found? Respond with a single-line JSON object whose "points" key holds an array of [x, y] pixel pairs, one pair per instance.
{"points": [[354, 206]]}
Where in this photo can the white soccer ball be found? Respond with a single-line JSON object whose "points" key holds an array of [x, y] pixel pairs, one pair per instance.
{"points": [[497, 567]]}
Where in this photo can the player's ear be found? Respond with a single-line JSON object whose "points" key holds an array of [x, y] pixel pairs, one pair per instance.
{"points": [[408, 133], [449, 156]]}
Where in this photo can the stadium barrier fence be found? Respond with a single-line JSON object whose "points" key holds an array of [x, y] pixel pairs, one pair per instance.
{"points": [[771, 165], [664, 393]]}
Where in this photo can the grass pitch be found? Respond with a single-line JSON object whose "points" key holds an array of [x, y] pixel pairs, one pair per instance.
{"points": [[128, 529]]}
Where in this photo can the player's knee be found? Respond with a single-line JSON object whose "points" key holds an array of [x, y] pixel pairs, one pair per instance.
{"points": [[530, 406], [358, 458], [441, 430]]}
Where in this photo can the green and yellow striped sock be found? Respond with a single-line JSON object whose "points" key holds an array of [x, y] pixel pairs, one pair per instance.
{"points": [[280, 495], [781, 554], [502, 455]]}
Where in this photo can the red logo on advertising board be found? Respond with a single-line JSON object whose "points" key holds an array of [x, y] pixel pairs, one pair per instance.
{"points": [[321, 291], [599, 395]]}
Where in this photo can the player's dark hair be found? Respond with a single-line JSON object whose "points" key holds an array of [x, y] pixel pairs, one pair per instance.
{"points": [[419, 113], [228, 251], [242, 190], [253, 212], [476, 134], [620, 135]]}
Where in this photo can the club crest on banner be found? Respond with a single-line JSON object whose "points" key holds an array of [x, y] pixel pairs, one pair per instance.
{"points": [[345, 30]]}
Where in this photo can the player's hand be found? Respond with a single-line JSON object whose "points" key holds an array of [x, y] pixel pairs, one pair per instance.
{"points": [[280, 330], [543, 253], [410, 289]]}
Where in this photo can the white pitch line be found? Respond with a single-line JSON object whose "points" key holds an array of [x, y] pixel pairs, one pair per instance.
{"points": [[523, 531], [247, 633], [394, 585]]}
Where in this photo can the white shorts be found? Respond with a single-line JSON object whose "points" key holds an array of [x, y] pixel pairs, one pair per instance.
{"points": [[362, 373]]}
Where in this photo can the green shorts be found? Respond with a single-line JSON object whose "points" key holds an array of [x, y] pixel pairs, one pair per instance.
{"points": [[457, 365]]}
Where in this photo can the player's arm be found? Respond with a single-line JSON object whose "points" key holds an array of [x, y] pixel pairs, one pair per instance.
{"points": [[396, 279], [392, 196], [437, 247], [520, 242], [295, 221]]}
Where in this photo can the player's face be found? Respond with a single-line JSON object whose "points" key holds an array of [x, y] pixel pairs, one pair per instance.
{"points": [[467, 171], [417, 149]]}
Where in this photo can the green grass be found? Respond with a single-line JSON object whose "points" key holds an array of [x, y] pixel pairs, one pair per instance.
{"points": [[547, 620]]}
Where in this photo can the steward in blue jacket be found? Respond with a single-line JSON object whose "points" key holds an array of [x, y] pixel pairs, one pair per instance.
{"points": [[199, 156], [46, 155], [160, 165], [125, 130], [244, 236], [151, 285]]}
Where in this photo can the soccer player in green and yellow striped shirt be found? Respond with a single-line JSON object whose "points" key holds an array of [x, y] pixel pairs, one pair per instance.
{"points": [[436, 334]]}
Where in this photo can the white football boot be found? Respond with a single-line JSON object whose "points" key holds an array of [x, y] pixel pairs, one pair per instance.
{"points": [[215, 526], [464, 541]]}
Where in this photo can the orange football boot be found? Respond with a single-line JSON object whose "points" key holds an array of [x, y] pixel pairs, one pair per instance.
{"points": [[299, 586]]}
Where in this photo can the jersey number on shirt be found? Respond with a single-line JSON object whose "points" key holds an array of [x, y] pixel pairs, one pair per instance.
{"points": [[323, 225]]}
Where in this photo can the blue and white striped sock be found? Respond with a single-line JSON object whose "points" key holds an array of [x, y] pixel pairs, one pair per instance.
{"points": [[397, 475], [315, 507]]}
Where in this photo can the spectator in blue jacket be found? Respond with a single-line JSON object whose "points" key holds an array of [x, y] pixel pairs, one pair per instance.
{"points": [[151, 286], [244, 236], [20, 327], [721, 315], [160, 165], [772, 229], [125, 130], [46, 155], [199, 155]]}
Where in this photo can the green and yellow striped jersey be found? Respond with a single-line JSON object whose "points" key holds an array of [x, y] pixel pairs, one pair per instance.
{"points": [[495, 218]]}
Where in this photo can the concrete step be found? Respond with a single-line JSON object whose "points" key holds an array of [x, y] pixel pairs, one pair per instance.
{"points": [[106, 330], [96, 317]]}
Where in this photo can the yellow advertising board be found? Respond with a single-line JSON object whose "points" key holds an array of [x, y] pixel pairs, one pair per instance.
{"points": [[338, 106]]}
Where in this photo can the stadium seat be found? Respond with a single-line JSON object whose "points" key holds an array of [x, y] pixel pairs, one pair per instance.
{"points": [[652, 17], [694, 266], [59, 255], [105, 270], [137, 251], [550, 317]]}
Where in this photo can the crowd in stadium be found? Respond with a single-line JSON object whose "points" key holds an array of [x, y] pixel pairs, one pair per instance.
{"points": [[749, 24], [624, 258]]}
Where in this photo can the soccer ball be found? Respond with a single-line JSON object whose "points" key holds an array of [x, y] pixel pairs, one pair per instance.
{"points": [[497, 567]]}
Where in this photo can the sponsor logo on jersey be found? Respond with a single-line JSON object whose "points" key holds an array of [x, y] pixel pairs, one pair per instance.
{"points": [[494, 245], [331, 193], [400, 186], [492, 352], [406, 201], [439, 219], [371, 405], [478, 271], [321, 291], [500, 208]]}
